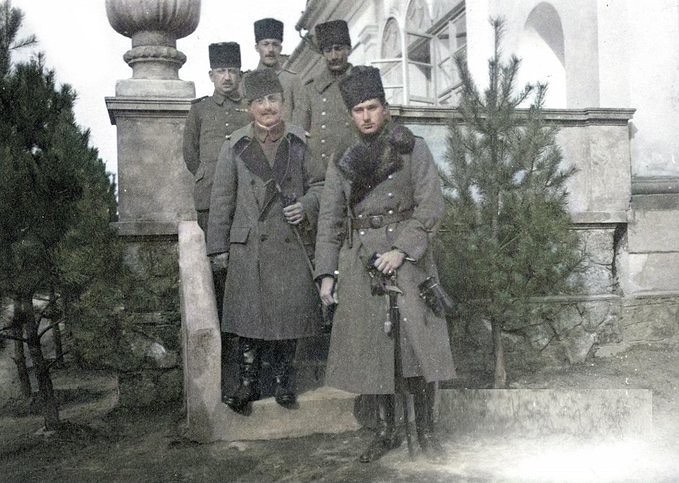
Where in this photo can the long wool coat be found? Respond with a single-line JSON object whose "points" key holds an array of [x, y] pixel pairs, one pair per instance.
{"points": [[269, 291], [361, 356]]}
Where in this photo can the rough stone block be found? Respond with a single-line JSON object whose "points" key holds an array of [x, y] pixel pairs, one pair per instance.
{"points": [[545, 412], [650, 318]]}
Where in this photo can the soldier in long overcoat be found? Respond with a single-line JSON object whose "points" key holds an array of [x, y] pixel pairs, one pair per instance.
{"points": [[382, 196], [266, 194], [321, 111]]}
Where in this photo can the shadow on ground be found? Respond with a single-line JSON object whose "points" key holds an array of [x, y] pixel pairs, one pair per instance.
{"points": [[107, 443]]}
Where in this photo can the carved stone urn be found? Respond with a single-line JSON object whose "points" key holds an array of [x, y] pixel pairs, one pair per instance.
{"points": [[154, 27]]}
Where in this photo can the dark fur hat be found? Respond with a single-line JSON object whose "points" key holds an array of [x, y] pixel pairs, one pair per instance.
{"points": [[224, 54], [362, 83], [335, 32], [268, 28], [260, 83]]}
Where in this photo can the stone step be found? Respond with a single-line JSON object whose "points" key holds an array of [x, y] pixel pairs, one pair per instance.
{"points": [[323, 410], [541, 412]]}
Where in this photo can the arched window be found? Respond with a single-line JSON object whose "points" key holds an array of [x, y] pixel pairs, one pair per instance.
{"points": [[391, 64], [427, 74], [419, 61], [541, 49]]}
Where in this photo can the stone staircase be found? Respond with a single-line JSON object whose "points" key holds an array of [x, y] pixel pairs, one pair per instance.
{"points": [[529, 412]]}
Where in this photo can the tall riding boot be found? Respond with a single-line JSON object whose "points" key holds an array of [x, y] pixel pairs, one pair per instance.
{"points": [[283, 354], [387, 436], [248, 389], [423, 397]]}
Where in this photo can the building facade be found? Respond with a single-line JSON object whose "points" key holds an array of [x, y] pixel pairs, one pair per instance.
{"points": [[613, 75]]}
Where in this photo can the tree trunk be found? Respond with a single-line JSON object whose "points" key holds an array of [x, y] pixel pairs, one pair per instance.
{"points": [[45, 388], [56, 332], [20, 361], [499, 352], [19, 354]]}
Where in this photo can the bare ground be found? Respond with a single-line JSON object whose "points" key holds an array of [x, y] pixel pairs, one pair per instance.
{"points": [[106, 443]]}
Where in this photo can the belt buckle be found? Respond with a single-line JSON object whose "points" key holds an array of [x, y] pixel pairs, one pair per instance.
{"points": [[375, 221]]}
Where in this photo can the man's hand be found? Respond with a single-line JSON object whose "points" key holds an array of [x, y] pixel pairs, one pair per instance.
{"points": [[390, 261], [219, 262], [294, 213], [327, 296]]}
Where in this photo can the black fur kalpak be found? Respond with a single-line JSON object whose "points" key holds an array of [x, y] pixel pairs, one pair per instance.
{"points": [[369, 162]]}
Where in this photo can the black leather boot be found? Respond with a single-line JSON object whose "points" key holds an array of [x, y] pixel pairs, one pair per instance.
{"points": [[423, 398], [387, 437], [248, 389], [283, 356]]}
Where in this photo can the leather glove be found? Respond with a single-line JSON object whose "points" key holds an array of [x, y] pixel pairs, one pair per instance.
{"points": [[219, 262]]}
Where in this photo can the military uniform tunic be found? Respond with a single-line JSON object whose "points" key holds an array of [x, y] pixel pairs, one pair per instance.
{"points": [[209, 123], [361, 355], [324, 115]]}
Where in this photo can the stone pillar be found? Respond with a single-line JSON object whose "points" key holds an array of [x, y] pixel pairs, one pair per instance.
{"points": [[154, 187], [154, 190]]}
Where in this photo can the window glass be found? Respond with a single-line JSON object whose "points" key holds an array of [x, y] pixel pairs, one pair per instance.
{"points": [[427, 74]]}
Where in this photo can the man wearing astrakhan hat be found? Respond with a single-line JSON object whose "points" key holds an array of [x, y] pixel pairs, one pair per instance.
{"points": [[264, 200], [323, 113], [209, 123], [211, 120], [385, 189], [269, 44]]}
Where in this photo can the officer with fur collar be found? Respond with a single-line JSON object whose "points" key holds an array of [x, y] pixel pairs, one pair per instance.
{"points": [[382, 197]]}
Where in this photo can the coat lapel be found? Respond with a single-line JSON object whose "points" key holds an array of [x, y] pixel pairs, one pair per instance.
{"points": [[255, 161]]}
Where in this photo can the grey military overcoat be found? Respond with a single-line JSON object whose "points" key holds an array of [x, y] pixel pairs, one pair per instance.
{"points": [[210, 121], [361, 356], [269, 291]]}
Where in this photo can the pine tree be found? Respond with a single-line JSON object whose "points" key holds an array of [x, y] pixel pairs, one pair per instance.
{"points": [[56, 202], [509, 237]]}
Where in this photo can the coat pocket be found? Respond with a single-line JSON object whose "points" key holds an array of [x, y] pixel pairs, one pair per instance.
{"points": [[239, 234]]}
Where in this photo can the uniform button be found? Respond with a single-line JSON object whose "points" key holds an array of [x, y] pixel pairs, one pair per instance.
{"points": [[390, 212], [346, 123], [325, 99], [391, 176], [362, 232], [390, 229], [226, 124], [360, 216], [323, 155], [390, 195], [322, 141], [322, 126], [323, 113]]}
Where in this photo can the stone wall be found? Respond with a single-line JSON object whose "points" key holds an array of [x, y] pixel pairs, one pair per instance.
{"points": [[596, 142]]}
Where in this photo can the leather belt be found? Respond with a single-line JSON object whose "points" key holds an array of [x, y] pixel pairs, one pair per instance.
{"points": [[364, 221]]}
